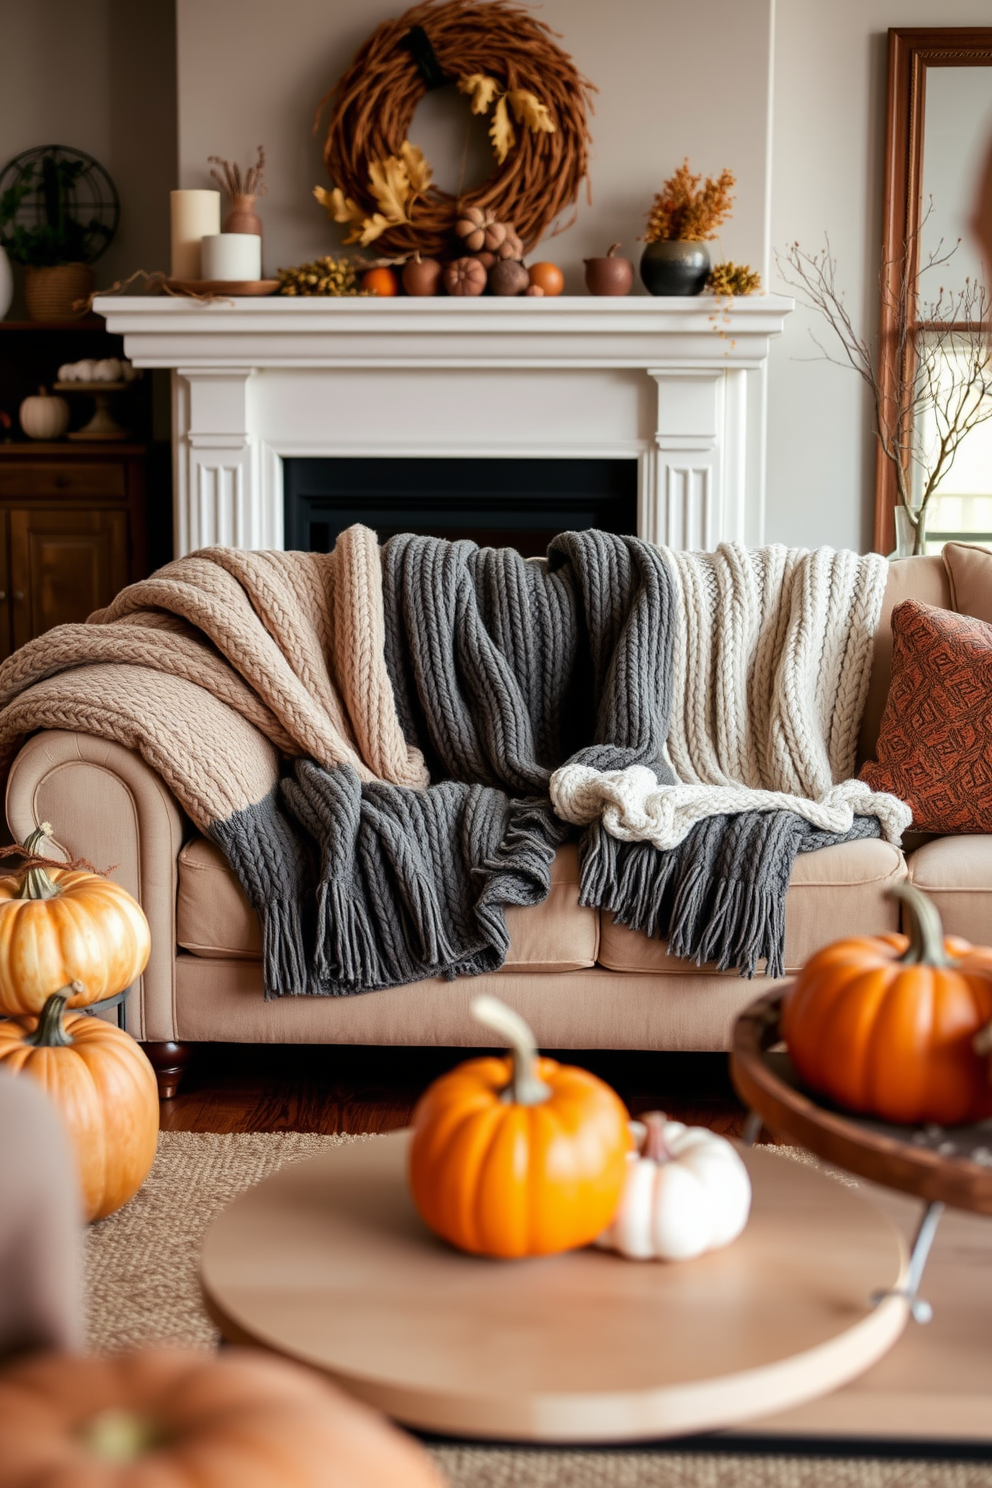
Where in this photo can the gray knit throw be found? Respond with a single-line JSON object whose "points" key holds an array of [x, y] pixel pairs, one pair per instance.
{"points": [[503, 669]]}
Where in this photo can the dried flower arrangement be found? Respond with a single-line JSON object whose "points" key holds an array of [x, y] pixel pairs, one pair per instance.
{"points": [[732, 280], [685, 211]]}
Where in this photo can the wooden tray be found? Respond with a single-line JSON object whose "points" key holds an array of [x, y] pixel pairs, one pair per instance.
{"points": [[327, 1261], [948, 1165], [223, 286]]}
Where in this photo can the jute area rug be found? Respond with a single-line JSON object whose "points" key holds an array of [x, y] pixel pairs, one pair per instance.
{"points": [[142, 1288]]}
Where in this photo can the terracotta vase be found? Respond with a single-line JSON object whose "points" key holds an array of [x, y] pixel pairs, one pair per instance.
{"points": [[242, 218]]}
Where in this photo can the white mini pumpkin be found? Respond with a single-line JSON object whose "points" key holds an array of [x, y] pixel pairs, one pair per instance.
{"points": [[107, 370], [44, 417], [687, 1191]]}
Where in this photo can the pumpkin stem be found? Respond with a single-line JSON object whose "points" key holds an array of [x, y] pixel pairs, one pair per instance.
{"points": [[654, 1145], [525, 1087], [51, 1032], [613, 250], [926, 933], [37, 884]]}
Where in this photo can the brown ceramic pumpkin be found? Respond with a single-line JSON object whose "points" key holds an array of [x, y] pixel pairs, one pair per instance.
{"points": [[58, 928], [193, 1420], [464, 276], [884, 1025], [104, 1088]]}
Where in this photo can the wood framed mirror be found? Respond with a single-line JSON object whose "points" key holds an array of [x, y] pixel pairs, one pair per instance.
{"points": [[939, 127]]}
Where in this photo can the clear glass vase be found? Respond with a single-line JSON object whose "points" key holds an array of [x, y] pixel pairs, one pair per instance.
{"points": [[910, 540]]}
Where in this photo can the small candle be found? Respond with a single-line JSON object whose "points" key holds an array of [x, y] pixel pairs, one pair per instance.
{"points": [[232, 256], [193, 214]]}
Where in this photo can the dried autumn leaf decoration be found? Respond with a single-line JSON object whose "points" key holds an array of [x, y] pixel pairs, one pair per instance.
{"points": [[395, 183], [528, 110], [685, 211]]}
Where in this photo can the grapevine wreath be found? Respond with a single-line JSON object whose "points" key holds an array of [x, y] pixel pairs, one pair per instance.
{"points": [[508, 65]]}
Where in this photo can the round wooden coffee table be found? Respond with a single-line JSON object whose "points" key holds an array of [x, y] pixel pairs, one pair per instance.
{"points": [[328, 1262]]}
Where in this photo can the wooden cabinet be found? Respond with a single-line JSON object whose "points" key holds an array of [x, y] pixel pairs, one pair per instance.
{"points": [[72, 533]]}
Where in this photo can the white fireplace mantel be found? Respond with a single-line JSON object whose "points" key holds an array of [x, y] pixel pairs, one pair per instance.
{"points": [[677, 384]]}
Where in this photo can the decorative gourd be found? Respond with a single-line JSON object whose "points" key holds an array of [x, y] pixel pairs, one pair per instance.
{"points": [[105, 1089], [520, 1156], [464, 276], [194, 1420], [421, 276], [60, 926], [44, 417], [884, 1025], [687, 1192], [547, 277], [507, 277]]}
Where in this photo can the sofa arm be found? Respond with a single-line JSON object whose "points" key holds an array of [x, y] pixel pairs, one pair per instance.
{"points": [[107, 805]]}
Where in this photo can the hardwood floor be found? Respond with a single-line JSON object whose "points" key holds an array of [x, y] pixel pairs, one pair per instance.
{"points": [[341, 1088]]}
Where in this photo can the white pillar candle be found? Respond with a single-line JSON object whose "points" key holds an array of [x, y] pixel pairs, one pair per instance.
{"points": [[232, 256], [193, 214]]}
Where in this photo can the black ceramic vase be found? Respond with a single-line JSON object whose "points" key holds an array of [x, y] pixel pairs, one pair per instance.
{"points": [[675, 267]]}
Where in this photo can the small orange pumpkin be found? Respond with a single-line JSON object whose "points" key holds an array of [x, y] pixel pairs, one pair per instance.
{"points": [[105, 1090], [520, 1156], [381, 281], [884, 1025], [62, 928], [238, 1420]]}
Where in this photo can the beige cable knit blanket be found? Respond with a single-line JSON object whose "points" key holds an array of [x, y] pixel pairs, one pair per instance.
{"points": [[273, 652]]}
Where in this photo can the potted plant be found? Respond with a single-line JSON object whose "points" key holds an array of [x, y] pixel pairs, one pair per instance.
{"points": [[58, 212], [683, 217]]}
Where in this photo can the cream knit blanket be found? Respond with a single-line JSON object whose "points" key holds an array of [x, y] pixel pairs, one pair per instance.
{"points": [[772, 656]]}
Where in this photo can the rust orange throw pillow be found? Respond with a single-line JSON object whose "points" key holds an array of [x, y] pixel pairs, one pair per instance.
{"points": [[934, 748]]}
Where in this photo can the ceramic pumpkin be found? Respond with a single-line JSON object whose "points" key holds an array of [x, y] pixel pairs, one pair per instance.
{"points": [[193, 1420], [520, 1156], [687, 1192], [884, 1025], [59, 927], [44, 417], [105, 1089]]}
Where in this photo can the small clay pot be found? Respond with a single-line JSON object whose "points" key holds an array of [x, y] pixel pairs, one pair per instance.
{"points": [[422, 276], [508, 277], [242, 217], [609, 275]]}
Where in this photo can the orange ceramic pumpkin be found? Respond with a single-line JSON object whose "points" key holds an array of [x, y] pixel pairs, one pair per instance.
{"points": [[520, 1156], [381, 281], [59, 927], [884, 1025], [104, 1088], [193, 1420]]}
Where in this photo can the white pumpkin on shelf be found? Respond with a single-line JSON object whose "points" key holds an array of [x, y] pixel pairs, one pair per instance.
{"points": [[44, 417], [687, 1191]]}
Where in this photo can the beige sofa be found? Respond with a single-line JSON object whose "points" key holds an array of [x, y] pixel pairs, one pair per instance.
{"points": [[580, 980]]}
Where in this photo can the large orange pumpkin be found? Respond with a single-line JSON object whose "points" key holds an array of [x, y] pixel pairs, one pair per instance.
{"points": [[520, 1156], [884, 1025], [59, 927], [241, 1420], [104, 1088]]}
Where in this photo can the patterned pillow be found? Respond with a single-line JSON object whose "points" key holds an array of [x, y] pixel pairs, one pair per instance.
{"points": [[934, 748]]}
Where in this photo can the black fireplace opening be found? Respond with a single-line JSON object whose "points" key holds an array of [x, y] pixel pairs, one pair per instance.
{"points": [[517, 503]]}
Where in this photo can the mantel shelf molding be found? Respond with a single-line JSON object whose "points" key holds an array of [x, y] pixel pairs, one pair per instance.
{"points": [[678, 384]]}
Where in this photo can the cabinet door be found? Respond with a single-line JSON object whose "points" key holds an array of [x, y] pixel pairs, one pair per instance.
{"points": [[63, 565]]}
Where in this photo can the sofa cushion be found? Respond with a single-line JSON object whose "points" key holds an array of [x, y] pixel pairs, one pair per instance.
{"points": [[922, 578], [213, 917], [956, 872], [934, 750], [969, 572], [837, 891]]}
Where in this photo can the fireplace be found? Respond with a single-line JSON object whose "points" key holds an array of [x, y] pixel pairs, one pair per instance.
{"points": [[671, 390], [517, 503]]}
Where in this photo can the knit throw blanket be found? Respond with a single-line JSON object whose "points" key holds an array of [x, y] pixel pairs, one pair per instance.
{"points": [[298, 705]]}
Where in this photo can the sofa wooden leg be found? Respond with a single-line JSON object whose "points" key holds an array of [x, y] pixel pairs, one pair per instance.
{"points": [[168, 1060]]}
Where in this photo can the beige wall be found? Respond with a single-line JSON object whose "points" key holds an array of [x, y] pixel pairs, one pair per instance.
{"points": [[673, 80], [99, 76], [827, 176]]}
